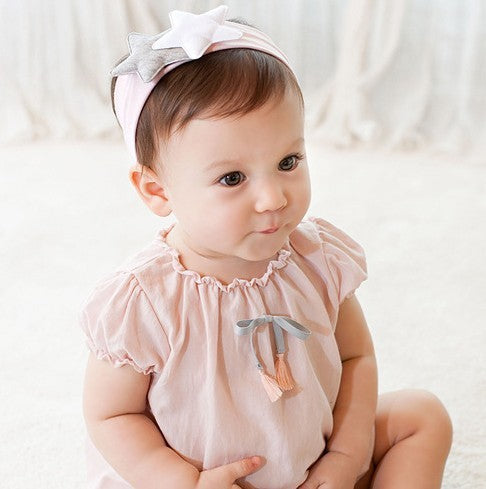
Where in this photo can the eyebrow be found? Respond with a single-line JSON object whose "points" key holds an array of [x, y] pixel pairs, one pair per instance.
{"points": [[219, 163]]}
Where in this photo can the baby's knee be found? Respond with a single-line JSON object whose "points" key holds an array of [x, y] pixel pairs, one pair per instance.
{"points": [[429, 415]]}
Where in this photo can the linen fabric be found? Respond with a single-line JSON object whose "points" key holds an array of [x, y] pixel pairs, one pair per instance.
{"points": [[205, 393]]}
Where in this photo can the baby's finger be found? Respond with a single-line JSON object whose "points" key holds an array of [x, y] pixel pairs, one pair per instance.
{"points": [[226, 476], [241, 468]]}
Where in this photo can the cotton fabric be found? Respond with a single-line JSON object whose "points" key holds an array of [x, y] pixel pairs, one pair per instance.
{"points": [[206, 394]]}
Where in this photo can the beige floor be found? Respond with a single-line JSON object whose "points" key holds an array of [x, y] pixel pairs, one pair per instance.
{"points": [[68, 216]]}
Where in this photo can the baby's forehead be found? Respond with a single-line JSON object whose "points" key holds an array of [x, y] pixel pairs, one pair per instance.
{"points": [[266, 132]]}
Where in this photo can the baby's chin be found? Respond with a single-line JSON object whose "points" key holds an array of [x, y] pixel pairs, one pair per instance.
{"points": [[265, 249]]}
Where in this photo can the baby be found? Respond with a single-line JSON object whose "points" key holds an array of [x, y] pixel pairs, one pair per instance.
{"points": [[231, 351]]}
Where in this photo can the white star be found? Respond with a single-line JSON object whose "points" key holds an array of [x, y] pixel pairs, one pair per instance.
{"points": [[195, 33]]}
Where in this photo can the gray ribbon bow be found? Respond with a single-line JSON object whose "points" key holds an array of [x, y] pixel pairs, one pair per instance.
{"points": [[248, 326]]}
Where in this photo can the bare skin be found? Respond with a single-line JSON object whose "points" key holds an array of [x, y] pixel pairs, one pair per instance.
{"points": [[413, 437]]}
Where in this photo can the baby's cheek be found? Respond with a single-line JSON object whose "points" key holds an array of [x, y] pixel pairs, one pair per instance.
{"points": [[303, 196]]}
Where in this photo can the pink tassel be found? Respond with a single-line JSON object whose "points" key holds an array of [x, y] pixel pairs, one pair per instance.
{"points": [[271, 386], [284, 377]]}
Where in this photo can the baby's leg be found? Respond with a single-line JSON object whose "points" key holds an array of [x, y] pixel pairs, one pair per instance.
{"points": [[413, 436]]}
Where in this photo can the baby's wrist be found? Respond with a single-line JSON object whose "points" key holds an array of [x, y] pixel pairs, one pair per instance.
{"points": [[185, 476], [163, 469], [345, 462], [187, 479]]}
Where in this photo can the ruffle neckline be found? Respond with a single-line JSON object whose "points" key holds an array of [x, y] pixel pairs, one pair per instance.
{"points": [[281, 260]]}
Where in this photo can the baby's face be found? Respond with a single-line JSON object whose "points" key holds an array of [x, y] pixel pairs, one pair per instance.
{"points": [[230, 179]]}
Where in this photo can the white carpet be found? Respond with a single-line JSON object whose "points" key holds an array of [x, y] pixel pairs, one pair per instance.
{"points": [[68, 215]]}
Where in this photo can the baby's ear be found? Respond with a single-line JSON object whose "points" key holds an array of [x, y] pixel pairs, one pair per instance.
{"points": [[151, 189]]}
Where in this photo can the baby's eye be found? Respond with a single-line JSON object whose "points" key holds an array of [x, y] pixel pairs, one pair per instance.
{"points": [[232, 179], [289, 163]]}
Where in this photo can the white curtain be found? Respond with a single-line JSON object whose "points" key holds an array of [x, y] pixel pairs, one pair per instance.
{"points": [[405, 73], [409, 73]]}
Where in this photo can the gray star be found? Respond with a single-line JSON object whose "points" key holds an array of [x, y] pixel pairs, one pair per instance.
{"points": [[146, 61]]}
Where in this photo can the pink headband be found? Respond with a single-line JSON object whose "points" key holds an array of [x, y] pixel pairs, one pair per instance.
{"points": [[190, 37]]}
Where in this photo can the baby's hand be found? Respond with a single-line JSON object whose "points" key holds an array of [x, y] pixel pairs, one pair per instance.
{"points": [[224, 477], [333, 471]]}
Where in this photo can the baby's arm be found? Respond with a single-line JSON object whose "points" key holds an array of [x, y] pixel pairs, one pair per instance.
{"points": [[114, 404], [350, 448], [355, 409]]}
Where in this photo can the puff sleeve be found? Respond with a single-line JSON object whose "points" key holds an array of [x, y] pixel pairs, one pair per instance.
{"points": [[344, 259], [121, 325]]}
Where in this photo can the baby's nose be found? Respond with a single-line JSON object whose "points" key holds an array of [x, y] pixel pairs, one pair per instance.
{"points": [[270, 197]]}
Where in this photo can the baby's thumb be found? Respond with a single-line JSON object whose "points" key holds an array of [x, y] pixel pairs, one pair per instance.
{"points": [[241, 468]]}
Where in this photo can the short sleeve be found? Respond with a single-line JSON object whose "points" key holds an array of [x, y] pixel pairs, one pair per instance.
{"points": [[344, 258], [121, 326]]}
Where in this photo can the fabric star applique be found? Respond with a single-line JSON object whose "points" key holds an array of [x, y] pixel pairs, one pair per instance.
{"points": [[146, 61], [188, 38], [195, 33]]}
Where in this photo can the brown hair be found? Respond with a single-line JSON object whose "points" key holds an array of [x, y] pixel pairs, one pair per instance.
{"points": [[219, 84]]}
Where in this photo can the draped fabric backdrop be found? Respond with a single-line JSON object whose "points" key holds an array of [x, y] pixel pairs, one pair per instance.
{"points": [[401, 74]]}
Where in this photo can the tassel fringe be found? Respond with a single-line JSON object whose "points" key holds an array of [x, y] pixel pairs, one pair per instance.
{"points": [[284, 377], [271, 386]]}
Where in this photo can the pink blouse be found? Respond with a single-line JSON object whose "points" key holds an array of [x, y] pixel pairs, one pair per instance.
{"points": [[206, 392]]}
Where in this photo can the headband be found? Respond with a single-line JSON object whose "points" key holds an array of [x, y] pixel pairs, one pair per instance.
{"points": [[190, 37]]}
